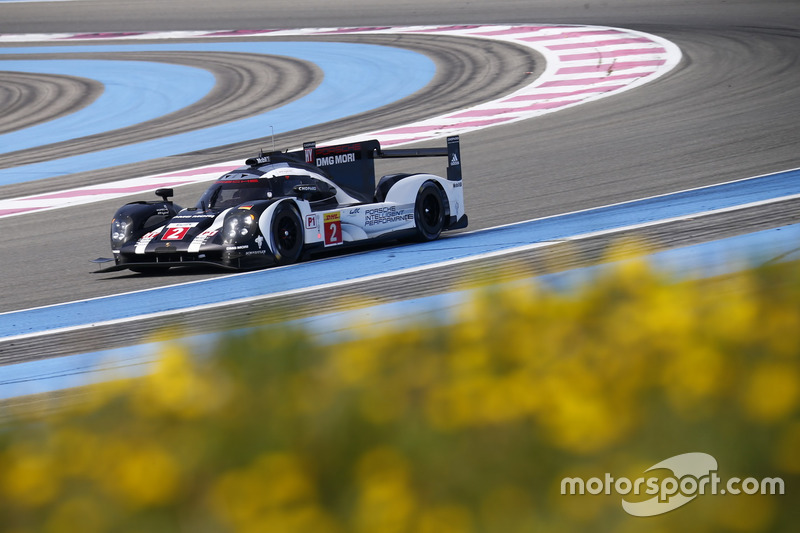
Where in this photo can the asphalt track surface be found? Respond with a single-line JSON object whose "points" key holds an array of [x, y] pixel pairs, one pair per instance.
{"points": [[728, 111]]}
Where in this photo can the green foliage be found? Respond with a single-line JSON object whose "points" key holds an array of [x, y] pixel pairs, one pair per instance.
{"points": [[438, 428]]}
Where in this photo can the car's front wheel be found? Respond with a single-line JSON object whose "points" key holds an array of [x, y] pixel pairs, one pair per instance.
{"points": [[286, 234]]}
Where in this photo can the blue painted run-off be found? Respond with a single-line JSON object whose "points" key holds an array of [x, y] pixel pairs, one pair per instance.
{"points": [[693, 262], [349, 267], [385, 75], [133, 92]]}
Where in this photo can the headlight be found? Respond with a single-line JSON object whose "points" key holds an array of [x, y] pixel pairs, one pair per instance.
{"points": [[239, 227], [120, 231]]}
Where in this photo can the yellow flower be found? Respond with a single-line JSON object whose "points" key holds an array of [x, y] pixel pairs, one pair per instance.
{"points": [[145, 475], [772, 392], [445, 519], [177, 386], [786, 456], [386, 499], [383, 403], [508, 509], [355, 362], [583, 424], [692, 375], [30, 478], [82, 447], [275, 485], [755, 512], [72, 511], [781, 329]]}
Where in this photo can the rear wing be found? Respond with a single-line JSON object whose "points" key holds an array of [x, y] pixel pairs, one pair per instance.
{"points": [[352, 165], [452, 151]]}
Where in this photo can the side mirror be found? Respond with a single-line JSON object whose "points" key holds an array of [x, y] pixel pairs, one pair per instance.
{"points": [[165, 194]]}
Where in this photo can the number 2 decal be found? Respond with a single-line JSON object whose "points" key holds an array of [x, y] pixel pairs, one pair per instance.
{"points": [[176, 232], [333, 228]]}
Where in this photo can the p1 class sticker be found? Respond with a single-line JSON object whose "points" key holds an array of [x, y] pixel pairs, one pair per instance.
{"points": [[311, 221]]}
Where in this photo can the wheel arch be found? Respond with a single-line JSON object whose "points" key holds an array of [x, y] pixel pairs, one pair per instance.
{"points": [[404, 190], [266, 218]]}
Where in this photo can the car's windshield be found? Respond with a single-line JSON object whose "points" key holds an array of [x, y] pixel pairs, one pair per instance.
{"points": [[230, 193]]}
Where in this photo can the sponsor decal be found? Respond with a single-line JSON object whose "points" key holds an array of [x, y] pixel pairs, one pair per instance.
{"points": [[201, 239], [152, 234], [308, 150], [260, 160], [336, 159], [454, 161], [355, 211], [141, 244], [387, 215], [332, 223], [339, 149], [224, 180], [311, 221], [177, 231]]}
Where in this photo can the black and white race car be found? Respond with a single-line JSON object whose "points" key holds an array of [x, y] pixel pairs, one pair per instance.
{"points": [[284, 206]]}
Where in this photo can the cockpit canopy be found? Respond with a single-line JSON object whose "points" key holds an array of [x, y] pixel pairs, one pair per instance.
{"points": [[232, 192], [250, 185]]}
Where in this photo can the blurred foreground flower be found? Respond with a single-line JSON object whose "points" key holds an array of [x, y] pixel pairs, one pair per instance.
{"points": [[437, 428]]}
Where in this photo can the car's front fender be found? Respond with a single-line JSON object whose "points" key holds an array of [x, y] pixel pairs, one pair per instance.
{"points": [[265, 220]]}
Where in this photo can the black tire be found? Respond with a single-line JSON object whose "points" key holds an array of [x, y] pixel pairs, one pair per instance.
{"points": [[286, 234], [429, 212]]}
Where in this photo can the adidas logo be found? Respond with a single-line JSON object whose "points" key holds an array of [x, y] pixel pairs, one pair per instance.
{"points": [[454, 161]]}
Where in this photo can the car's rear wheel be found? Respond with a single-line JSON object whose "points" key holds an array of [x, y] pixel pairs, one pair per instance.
{"points": [[286, 234], [429, 212]]}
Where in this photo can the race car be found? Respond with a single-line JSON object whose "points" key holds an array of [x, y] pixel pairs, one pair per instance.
{"points": [[282, 207]]}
